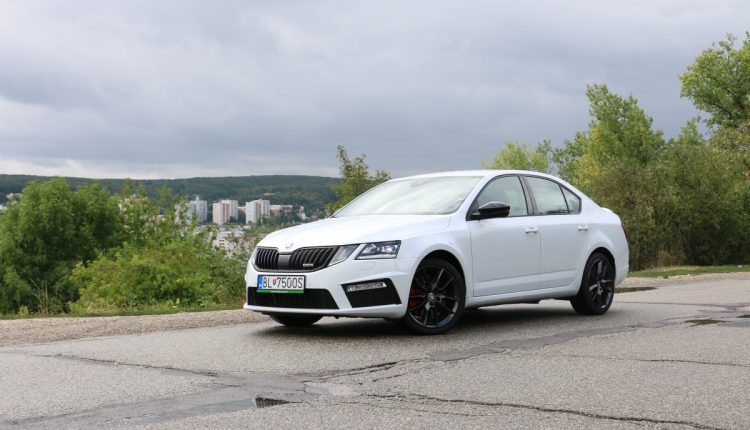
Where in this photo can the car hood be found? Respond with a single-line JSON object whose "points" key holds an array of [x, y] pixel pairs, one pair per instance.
{"points": [[354, 229]]}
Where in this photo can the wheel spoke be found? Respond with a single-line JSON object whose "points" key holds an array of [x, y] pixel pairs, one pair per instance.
{"points": [[599, 269], [447, 283], [447, 309], [439, 275], [415, 307]]}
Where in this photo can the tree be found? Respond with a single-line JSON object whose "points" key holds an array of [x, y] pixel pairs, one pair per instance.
{"points": [[518, 156], [704, 200], [718, 82], [44, 235], [613, 163], [355, 178]]}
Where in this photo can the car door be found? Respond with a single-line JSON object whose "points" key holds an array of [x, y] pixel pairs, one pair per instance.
{"points": [[505, 251], [562, 231]]}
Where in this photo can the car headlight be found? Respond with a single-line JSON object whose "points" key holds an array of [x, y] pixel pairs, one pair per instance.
{"points": [[342, 254], [377, 250]]}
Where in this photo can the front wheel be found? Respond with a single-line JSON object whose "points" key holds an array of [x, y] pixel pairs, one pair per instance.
{"points": [[436, 298], [295, 320], [597, 286]]}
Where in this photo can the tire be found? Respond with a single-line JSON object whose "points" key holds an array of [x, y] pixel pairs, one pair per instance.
{"points": [[295, 320], [436, 298], [597, 286]]}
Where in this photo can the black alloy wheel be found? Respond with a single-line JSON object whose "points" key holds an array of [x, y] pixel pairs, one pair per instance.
{"points": [[295, 320], [436, 298], [597, 286]]}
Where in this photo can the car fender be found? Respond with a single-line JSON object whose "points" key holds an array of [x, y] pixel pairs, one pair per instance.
{"points": [[457, 243]]}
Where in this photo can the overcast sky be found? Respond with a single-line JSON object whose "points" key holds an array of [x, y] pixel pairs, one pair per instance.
{"points": [[164, 89]]}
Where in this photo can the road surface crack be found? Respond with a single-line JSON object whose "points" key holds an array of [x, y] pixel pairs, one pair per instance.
{"points": [[105, 362], [654, 360], [560, 410], [357, 370]]}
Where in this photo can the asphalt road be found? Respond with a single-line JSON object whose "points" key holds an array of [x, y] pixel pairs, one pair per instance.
{"points": [[674, 357]]}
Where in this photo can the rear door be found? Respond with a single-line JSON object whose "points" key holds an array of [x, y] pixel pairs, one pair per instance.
{"points": [[563, 232], [505, 251]]}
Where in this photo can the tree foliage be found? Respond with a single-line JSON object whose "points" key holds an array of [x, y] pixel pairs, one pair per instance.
{"points": [[683, 200], [355, 178], [718, 82], [520, 156]]}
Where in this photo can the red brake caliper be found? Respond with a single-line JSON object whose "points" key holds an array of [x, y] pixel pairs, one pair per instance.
{"points": [[413, 301]]}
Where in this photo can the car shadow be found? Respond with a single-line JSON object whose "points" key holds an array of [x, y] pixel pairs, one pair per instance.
{"points": [[484, 319]]}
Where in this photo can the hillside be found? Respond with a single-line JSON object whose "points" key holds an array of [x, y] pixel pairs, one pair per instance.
{"points": [[313, 192]]}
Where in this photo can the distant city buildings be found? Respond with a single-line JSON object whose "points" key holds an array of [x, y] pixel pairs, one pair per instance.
{"points": [[233, 210], [232, 240], [221, 213], [256, 210], [225, 211], [277, 209], [197, 210]]}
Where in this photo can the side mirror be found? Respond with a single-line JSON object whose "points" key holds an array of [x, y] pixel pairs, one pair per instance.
{"points": [[491, 210]]}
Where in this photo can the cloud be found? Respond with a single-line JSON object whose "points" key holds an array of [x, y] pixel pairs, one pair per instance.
{"points": [[187, 88]]}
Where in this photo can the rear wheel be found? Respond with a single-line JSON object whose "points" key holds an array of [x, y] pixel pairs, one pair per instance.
{"points": [[436, 298], [295, 320], [597, 286]]}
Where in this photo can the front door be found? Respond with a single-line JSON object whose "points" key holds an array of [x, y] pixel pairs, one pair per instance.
{"points": [[505, 251]]}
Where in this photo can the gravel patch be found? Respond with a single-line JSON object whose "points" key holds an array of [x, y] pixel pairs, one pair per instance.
{"points": [[682, 279], [43, 330]]}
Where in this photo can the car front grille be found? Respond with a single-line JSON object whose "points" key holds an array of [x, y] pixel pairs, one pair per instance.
{"points": [[267, 259], [310, 299], [301, 260]]}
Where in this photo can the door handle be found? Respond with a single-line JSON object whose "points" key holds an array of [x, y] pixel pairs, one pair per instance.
{"points": [[532, 229], [583, 228]]}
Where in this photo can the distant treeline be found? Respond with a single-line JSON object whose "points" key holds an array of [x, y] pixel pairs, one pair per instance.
{"points": [[312, 192]]}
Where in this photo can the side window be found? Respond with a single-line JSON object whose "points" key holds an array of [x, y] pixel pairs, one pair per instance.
{"points": [[548, 195], [508, 190], [574, 202]]}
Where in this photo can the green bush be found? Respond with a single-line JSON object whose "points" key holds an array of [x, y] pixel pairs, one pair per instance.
{"points": [[184, 273]]}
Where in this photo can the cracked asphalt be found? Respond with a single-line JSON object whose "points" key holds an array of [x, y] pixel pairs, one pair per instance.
{"points": [[676, 357]]}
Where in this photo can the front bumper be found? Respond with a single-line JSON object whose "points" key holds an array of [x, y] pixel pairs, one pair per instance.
{"points": [[398, 271]]}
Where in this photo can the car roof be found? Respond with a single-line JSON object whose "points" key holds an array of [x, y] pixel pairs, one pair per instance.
{"points": [[476, 173]]}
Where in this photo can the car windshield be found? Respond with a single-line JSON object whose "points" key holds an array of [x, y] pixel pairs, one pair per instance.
{"points": [[417, 196]]}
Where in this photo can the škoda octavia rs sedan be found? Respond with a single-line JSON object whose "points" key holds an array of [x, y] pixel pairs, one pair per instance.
{"points": [[422, 249]]}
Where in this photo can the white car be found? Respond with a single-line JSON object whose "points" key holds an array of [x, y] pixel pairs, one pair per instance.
{"points": [[422, 249]]}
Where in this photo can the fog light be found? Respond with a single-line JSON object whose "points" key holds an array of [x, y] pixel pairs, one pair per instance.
{"points": [[365, 286]]}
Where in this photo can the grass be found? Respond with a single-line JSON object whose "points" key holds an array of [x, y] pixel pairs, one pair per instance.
{"points": [[154, 310], [667, 271]]}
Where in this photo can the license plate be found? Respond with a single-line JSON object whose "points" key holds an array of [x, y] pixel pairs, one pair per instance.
{"points": [[281, 284]]}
